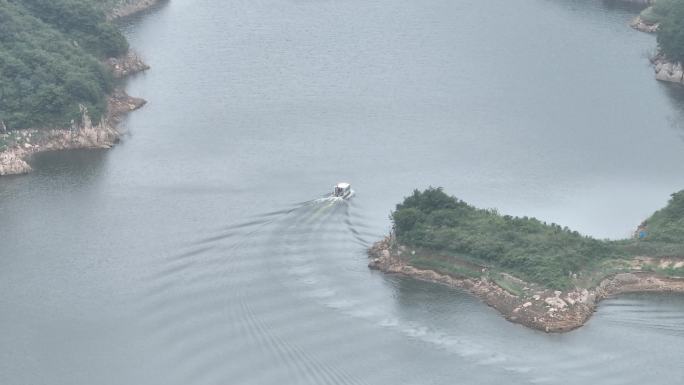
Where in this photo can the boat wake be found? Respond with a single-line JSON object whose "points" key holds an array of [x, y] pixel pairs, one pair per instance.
{"points": [[226, 295], [280, 297]]}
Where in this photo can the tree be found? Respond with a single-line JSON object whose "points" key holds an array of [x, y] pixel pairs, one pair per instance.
{"points": [[671, 32]]}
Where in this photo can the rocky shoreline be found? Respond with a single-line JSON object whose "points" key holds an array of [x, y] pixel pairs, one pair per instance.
{"points": [[126, 65], [541, 309], [640, 25], [86, 135], [22, 144], [667, 71], [131, 7]]}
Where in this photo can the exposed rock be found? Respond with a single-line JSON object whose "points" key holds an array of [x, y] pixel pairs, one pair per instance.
{"points": [[553, 314], [556, 302], [126, 65], [640, 25], [85, 134], [626, 278], [668, 71], [13, 158], [11, 163], [131, 7], [120, 103]]}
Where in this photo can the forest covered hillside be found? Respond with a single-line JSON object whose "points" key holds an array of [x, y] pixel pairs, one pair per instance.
{"points": [[51, 54]]}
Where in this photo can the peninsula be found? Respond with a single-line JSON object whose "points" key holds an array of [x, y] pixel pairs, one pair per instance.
{"points": [[540, 275], [58, 63]]}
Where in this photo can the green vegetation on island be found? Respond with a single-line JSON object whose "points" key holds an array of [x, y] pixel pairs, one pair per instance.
{"points": [[666, 226], [452, 236], [657, 12], [51, 54]]}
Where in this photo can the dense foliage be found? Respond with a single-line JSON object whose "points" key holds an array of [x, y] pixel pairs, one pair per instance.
{"points": [[536, 251], [667, 224], [50, 60], [540, 252], [658, 11], [671, 30]]}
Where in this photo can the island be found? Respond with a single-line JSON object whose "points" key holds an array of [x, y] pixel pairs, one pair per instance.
{"points": [[59, 60], [537, 274]]}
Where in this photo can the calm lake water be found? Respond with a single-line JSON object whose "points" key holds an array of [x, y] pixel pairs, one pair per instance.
{"points": [[199, 251]]}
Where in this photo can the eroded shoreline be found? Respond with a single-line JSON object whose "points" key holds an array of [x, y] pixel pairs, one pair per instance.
{"points": [[541, 309], [24, 143], [103, 134]]}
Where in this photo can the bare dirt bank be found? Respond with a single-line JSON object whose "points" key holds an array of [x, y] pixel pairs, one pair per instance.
{"points": [[541, 309]]}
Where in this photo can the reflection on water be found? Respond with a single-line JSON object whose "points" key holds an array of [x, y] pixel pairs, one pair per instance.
{"points": [[270, 291], [76, 163], [676, 94]]}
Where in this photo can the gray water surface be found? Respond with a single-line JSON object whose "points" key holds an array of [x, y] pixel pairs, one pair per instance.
{"points": [[200, 250]]}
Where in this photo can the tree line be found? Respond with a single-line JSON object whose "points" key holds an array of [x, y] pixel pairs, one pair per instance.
{"points": [[545, 253]]}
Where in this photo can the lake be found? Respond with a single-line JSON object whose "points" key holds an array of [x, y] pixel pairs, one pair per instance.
{"points": [[202, 249]]}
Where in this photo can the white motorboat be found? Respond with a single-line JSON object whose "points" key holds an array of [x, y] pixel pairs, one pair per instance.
{"points": [[342, 190]]}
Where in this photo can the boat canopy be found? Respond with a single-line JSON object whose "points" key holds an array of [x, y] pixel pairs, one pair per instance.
{"points": [[342, 190]]}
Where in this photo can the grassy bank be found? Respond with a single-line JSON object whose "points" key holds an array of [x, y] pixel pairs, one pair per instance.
{"points": [[452, 236]]}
